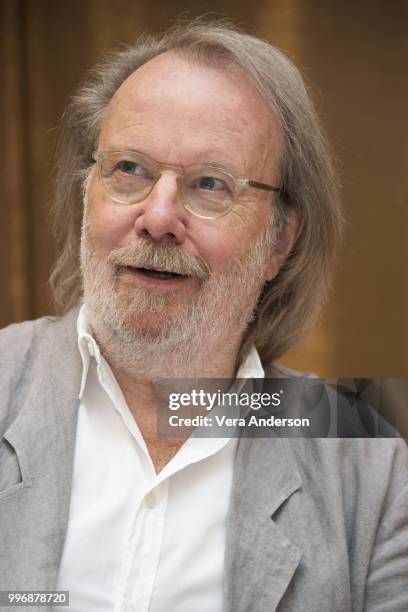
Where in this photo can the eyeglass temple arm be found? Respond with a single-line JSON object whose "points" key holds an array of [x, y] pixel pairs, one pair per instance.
{"points": [[266, 187]]}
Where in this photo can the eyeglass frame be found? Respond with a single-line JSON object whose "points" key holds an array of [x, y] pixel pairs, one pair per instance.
{"points": [[98, 158]]}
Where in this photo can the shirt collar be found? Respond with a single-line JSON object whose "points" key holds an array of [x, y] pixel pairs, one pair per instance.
{"points": [[87, 345], [251, 367]]}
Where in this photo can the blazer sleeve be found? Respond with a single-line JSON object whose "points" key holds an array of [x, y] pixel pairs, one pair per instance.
{"points": [[387, 580]]}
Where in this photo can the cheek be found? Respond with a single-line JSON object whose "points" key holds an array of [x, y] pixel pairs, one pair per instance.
{"points": [[108, 225], [214, 243], [220, 245], [234, 235], [107, 231]]}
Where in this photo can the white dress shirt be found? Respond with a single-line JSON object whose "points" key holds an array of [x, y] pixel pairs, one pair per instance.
{"points": [[137, 540]]}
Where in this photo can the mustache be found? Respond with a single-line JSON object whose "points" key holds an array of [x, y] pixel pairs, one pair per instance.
{"points": [[164, 257]]}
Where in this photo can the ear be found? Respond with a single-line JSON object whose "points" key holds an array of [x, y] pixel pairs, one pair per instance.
{"points": [[287, 238]]}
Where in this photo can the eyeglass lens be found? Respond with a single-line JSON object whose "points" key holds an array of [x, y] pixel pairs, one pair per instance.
{"points": [[129, 178]]}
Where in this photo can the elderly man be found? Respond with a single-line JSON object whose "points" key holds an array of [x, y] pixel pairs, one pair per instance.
{"points": [[197, 211]]}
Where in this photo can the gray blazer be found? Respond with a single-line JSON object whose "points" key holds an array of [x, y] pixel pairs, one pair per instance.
{"points": [[314, 524]]}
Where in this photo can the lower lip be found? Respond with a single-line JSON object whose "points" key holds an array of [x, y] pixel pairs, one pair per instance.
{"points": [[150, 282]]}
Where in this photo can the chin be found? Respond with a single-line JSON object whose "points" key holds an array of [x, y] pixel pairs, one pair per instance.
{"points": [[131, 324], [152, 324]]}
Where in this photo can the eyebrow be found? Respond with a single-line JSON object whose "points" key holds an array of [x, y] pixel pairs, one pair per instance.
{"points": [[211, 163]]}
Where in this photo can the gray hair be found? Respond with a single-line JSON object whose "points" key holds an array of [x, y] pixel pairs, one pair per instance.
{"points": [[289, 305]]}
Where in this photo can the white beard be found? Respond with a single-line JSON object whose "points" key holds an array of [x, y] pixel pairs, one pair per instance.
{"points": [[208, 328]]}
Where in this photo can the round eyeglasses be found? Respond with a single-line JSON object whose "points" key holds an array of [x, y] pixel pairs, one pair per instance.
{"points": [[206, 191]]}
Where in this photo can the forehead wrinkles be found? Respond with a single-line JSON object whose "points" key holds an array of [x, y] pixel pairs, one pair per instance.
{"points": [[218, 116], [224, 149]]}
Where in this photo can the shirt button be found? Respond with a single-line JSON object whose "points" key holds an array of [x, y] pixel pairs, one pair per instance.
{"points": [[150, 501]]}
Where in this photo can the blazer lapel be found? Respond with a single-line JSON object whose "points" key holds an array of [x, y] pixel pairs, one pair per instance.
{"points": [[43, 438], [260, 560]]}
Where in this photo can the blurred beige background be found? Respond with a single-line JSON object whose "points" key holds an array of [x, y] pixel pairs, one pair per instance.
{"points": [[354, 56]]}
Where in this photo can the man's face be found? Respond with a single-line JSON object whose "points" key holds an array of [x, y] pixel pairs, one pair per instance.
{"points": [[181, 114]]}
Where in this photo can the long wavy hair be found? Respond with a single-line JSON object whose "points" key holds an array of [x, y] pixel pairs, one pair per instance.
{"points": [[289, 305]]}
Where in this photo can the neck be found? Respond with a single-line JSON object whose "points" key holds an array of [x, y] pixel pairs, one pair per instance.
{"points": [[138, 385], [138, 372]]}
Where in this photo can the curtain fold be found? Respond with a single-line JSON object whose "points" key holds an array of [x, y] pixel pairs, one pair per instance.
{"points": [[16, 302]]}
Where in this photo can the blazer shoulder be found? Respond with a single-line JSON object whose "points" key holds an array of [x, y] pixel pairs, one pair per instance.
{"points": [[27, 350], [365, 465], [17, 339]]}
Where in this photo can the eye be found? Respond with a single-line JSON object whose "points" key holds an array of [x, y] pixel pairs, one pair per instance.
{"points": [[132, 168], [211, 183]]}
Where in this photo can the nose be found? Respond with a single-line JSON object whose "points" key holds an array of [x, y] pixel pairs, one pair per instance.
{"points": [[161, 215]]}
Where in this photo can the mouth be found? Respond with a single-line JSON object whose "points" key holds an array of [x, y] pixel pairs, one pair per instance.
{"points": [[154, 273], [153, 278]]}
